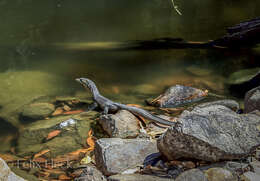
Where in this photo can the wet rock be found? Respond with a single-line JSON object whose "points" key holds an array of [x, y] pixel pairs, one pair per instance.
{"points": [[114, 155], [244, 80], [137, 177], [178, 95], [232, 104], [37, 110], [252, 100], [90, 173], [123, 124], [250, 176], [220, 174], [211, 133], [6, 174], [192, 175], [74, 130]]}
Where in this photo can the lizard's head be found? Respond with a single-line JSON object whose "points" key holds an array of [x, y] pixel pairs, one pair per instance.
{"points": [[87, 83]]}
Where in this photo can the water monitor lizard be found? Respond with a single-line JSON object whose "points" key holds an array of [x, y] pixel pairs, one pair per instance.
{"points": [[107, 105]]}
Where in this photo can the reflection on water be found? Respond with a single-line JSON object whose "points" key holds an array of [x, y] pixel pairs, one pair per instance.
{"points": [[31, 66]]}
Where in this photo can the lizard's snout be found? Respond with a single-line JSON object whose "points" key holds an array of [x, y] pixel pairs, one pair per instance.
{"points": [[78, 80]]}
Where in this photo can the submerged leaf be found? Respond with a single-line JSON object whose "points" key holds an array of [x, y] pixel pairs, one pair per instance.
{"points": [[64, 177], [41, 153], [73, 112], [7, 157], [53, 134]]}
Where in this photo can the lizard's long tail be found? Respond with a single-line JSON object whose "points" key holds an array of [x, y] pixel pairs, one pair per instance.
{"points": [[145, 114]]}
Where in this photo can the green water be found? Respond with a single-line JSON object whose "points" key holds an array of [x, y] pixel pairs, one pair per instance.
{"points": [[36, 61]]}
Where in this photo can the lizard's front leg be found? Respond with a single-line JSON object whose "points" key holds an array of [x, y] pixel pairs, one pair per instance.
{"points": [[106, 109], [92, 106]]}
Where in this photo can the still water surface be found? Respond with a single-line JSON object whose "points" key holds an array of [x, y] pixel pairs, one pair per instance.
{"points": [[35, 58]]}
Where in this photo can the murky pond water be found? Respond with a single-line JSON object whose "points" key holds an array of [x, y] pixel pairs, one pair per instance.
{"points": [[45, 45]]}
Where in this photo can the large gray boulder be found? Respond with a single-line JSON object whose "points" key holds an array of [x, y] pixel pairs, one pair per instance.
{"points": [[6, 174], [211, 133], [115, 155], [252, 100]]}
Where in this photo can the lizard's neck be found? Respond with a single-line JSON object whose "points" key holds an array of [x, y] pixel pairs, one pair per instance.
{"points": [[93, 89]]}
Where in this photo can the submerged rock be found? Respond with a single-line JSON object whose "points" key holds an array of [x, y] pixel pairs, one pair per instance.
{"points": [[115, 155], [137, 177], [6, 174], [252, 100], [192, 175], [123, 124], [178, 95], [211, 133], [198, 71], [19, 88], [73, 132], [37, 110], [242, 81]]}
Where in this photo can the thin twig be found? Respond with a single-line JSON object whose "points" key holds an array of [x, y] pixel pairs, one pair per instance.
{"points": [[176, 8]]}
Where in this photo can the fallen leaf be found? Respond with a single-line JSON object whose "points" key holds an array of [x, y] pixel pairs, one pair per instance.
{"points": [[141, 118], [64, 177], [90, 141], [77, 152], [53, 134], [73, 112], [58, 111], [86, 160], [90, 133], [42, 174], [54, 171], [66, 108], [40, 160], [41, 153]]}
